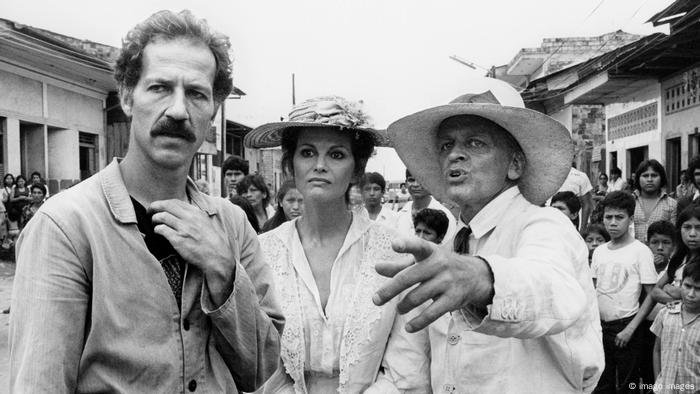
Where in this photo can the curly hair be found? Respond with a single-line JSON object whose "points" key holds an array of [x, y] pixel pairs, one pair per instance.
{"points": [[169, 26]]}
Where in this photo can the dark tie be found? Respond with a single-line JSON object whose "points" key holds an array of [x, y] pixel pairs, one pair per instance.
{"points": [[461, 243]]}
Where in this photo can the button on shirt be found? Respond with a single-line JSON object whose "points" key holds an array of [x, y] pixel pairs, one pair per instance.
{"points": [[542, 332], [92, 310], [680, 350]]}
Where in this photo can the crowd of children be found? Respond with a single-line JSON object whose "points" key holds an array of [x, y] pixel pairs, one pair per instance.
{"points": [[649, 299]]}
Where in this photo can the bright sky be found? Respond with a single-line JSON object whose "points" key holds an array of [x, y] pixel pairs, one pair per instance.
{"points": [[392, 54]]}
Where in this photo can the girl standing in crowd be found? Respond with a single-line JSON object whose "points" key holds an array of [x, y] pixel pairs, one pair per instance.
{"points": [[595, 235], [244, 204], [8, 182], [667, 289], [652, 201], [253, 188], [290, 204], [335, 339], [19, 197]]}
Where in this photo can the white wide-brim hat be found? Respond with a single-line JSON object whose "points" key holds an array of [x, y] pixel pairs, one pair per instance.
{"points": [[326, 111], [546, 143]]}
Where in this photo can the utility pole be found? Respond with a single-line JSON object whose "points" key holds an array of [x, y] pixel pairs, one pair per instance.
{"points": [[294, 100]]}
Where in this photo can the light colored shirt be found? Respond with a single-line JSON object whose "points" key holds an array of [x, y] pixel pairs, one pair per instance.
{"points": [[542, 332], [616, 185], [92, 310], [657, 305], [664, 209], [576, 182], [341, 349], [386, 216], [620, 274], [404, 222], [680, 352]]}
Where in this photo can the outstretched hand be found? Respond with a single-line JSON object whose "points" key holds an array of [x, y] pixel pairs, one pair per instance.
{"points": [[451, 280]]}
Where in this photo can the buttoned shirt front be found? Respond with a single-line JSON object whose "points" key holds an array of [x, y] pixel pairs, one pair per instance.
{"points": [[664, 209], [680, 351], [542, 332], [92, 310]]}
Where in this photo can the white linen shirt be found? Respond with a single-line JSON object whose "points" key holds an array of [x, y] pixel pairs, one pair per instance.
{"points": [[404, 222], [542, 332], [341, 349], [386, 216], [576, 182]]}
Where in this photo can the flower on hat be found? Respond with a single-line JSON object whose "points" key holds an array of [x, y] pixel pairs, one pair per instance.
{"points": [[331, 110]]}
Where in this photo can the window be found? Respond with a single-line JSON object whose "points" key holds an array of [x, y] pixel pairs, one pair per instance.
{"points": [[88, 155]]}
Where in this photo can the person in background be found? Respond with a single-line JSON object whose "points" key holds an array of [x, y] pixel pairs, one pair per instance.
{"points": [[621, 270], [38, 197], [8, 183], [578, 183], [402, 197], [431, 225], [133, 281], [290, 205], [253, 188], [595, 235], [336, 340], [245, 205], [599, 192], [652, 203], [616, 182], [661, 239], [693, 173], [36, 178], [667, 289], [569, 204], [202, 185], [372, 186], [677, 346], [685, 188], [421, 199], [355, 199], [234, 169], [19, 198]]}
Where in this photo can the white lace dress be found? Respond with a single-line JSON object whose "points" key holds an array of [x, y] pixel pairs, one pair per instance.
{"points": [[342, 349]]}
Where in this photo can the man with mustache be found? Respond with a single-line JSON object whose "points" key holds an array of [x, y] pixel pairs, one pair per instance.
{"points": [[512, 308], [133, 281]]}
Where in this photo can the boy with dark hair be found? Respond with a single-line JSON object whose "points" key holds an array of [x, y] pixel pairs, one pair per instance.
{"points": [[677, 346], [661, 239], [372, 187], [569, 204], [431, 225], [421, 199], [234, 170], [594, 235], [621, 268]]}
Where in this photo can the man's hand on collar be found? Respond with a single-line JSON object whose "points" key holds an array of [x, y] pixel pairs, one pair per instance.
{"points": [[451, 280], [195, 238]]}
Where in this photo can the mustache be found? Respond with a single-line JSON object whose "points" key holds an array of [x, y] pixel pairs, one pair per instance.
{"points": [[172, 127]]}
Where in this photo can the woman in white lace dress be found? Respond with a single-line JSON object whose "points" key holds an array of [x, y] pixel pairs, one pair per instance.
{"points": [[335, 339]]}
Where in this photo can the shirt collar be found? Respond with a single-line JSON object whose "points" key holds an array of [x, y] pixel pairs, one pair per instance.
{"points": [[287, 232], [119, 201], [490, 215]]}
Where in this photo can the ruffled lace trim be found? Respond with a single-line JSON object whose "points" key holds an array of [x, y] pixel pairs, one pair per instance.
{"points": [[364, 314], [359, 322]]}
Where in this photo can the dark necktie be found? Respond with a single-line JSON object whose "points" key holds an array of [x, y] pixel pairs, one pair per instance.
{"points": [[461, 242]]}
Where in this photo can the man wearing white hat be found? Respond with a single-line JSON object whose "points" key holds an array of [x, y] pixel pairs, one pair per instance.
{"points": [[513, 306]]}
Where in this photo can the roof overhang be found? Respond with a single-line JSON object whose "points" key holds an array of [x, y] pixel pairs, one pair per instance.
{"points": [[526, 62], [603, 88]]}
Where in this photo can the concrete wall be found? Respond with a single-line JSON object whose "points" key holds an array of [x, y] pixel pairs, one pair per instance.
{"points": [[26, 97], [652, 139], [683, 123], [62, 173], [68, 107], [42, 118]]}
